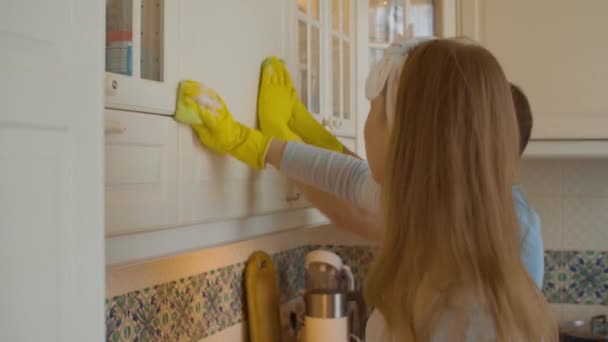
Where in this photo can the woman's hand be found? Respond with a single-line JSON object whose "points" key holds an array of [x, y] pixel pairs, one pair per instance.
{"points": [[206, 112]]}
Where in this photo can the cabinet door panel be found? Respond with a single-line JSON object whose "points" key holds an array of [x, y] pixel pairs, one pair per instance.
{"points": [[141, 170], [216, 187], [553, 50], [141, 55]]}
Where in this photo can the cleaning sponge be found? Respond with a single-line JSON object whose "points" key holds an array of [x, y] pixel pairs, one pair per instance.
{"points": [[204, 110]]}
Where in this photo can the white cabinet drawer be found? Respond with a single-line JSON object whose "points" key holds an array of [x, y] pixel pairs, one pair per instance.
{"points": [[215, 187], [141, 171]]}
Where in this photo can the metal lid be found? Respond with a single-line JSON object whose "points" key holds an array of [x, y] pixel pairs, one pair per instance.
{"points": [[325, 304]]}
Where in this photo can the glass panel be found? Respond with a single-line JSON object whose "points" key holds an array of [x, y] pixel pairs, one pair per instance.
{"points": [[152, 40], [335, 79], [302, 43], [346, 79], [420, 18], [315, 76], [386, 19], [335, 15], [304, 85], [302, 5], [346, 17], [314, 9], [119, 36], [375, 56]]}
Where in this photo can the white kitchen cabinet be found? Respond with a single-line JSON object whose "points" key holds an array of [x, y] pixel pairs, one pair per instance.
{"points": [[167, 194], [228, 58], [214, 187], [556, 51], [141, 172], [140, 54]]}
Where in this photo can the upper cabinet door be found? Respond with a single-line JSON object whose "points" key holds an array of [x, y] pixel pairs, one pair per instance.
{"points": [[309, 78], [556, 51], [140, 45], [141, 172], [380, 22], [51, 171], [342, 120], [228, 57], [389, 19], [326, 61]]}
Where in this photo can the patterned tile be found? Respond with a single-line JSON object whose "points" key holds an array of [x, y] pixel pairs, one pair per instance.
{"points": [[574, 277], [290, 271], [588, 277], [554, 276]]}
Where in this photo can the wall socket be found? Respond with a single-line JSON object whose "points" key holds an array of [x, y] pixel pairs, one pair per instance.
{"points": [[292, 313]]}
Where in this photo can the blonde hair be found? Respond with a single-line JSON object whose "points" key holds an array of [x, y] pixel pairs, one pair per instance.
{"points": [[451, 226]]}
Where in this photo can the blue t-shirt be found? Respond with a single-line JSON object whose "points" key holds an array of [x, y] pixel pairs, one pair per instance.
{"points": [[532, 252]]}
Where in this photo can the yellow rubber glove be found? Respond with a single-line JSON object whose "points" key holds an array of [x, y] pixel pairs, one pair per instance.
{"points": [[276, 98], [206, 112], [283, 115]]}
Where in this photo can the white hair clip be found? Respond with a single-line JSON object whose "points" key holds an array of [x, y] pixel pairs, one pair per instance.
{"points": [[387, 71]]}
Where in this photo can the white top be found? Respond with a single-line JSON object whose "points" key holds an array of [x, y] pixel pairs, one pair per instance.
{"points": [[480, 329]]}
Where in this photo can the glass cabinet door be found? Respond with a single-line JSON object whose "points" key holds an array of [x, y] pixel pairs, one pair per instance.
{"points": [[309, 54], [119, 37], [325, 44], [342, 120], [390, 18], [139, 66], [379, 22]]}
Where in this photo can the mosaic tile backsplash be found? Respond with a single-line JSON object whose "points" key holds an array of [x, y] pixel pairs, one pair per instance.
{"points": [[201, 305]]}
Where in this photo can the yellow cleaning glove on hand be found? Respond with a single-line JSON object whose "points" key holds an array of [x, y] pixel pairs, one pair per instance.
{"points": [[206, 112], [276, 98], [283, 115]]}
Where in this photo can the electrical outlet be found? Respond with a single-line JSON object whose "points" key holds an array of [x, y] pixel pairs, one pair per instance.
{"points": [[294, 307]]}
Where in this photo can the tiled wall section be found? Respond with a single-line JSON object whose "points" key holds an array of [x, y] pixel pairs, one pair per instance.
{"points": [[201, 305], [573, 277], [571, 196], [198, 306]]}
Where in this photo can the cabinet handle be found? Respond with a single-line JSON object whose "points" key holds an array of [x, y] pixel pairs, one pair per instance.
{"points": [[111, 86], [113, 127], [293, 198]]}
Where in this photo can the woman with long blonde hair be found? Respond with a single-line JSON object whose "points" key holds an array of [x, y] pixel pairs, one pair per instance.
{"points": [[452, 241], [444, 148]]}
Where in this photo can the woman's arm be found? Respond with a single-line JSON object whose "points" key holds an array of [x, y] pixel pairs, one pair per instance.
{"points": [[344, 176], [343, 212]]}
